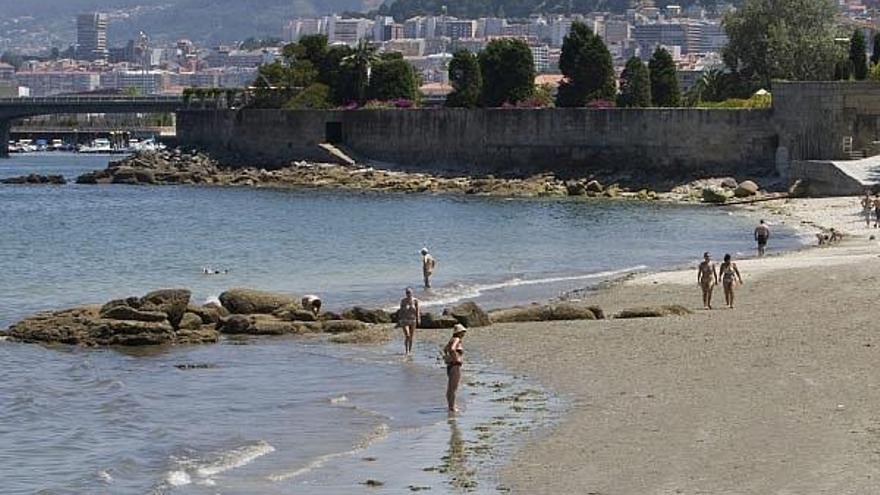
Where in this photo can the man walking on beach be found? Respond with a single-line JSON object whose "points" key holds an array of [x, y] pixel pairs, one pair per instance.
{"points": [[707, 278], [762, 235], [428, 265]]}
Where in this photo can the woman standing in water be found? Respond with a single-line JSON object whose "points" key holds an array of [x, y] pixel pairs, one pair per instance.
{"points": [[408, 317], [729, 275], [453, 354]]}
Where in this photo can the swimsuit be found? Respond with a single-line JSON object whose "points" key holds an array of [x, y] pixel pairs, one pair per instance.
{"points": [[728, 276]]}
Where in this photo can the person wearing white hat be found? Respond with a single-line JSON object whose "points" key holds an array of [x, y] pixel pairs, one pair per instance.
{"points": [[428, 264], [453, 354]]}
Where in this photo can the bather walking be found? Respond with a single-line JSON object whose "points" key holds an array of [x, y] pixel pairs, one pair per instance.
{"points": [[453, 354], [408, 317], [729, 276]]}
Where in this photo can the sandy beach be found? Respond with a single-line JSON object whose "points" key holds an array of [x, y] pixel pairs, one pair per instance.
{"points": [[779, 395]]}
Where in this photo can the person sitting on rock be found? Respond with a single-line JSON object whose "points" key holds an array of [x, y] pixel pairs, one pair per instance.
{"points": [[311, 303]]}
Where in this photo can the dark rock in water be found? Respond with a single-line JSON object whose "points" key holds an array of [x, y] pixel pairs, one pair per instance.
{"points": [[343, 326], [269, 325], [374, 316], [190, 321], [172, 302], [329, 316], [210, 313], [469, 315], [206, 334], [69, 326], [119, 332], [654, 312], [293, 312], [234, 324], [120, 312], [36, 179], [575, 189], [431, 320], [249, 301], [594, 186]]}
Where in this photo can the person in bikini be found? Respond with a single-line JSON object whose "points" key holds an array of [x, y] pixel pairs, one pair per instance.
{"points": [[729, 276], [408, 317], [453, 355], [707, 279], [867, 206]]}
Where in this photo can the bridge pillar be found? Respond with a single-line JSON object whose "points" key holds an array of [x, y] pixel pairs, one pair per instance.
{"points": [[5, 125]]}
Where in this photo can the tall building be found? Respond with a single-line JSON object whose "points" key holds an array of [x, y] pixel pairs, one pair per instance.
{"points": [[91, 36]]}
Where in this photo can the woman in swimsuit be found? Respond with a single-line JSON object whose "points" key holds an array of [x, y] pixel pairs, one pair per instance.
{"points": [[408, 317], [453, 354], [729, 276]]}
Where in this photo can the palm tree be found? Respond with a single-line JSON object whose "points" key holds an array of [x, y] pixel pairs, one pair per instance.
{"points": [[359, 63]]}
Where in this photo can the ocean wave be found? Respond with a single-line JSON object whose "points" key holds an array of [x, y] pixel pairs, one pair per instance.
{"points": [[212, 465], [452, 295], [213, 299], [375, 435]]}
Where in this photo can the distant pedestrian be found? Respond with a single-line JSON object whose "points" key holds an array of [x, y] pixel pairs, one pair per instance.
{"points": [[707, 279], [876, 211], [867, 206], [453, 355], [729, 276], [408, 317], [428, 264], [762, 235]]}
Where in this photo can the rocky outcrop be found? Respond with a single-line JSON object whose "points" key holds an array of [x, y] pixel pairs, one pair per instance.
{"points": [[654, 312], [35, 179], [249, 301], [538, 312], [469, 315], [343, 326], [434, 321], [293, 312], [210, 313], [746, 189], [716, 195], [172, 302], [112, 324], [373, 316]]}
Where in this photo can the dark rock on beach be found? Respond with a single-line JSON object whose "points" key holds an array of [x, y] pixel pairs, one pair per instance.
{"points": [[343, 326], [538, 312], [374, 316], [654, 312], [172, 302], [431, 320], [469, 315]]}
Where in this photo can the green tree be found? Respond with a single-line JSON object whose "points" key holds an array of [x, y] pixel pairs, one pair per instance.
{"points": [[354, 74], [635, 85], [781, 39], [393, 78], [857, 56], [587, 66], [508, 72], [314, 97], [664, 82], [466, 80]]}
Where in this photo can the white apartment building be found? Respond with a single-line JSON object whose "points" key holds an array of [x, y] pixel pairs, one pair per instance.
{"points": [[348, 31]]}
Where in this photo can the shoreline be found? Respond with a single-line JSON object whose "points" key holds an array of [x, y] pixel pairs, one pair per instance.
{"points": [[699, 403]]}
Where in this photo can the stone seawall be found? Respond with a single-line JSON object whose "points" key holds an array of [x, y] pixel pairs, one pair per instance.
{"points": [[569, 142]]}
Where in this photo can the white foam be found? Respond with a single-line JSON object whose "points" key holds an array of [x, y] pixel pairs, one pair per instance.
{"points": [[379, 433], [235, 458], [178, 478], [105, 476], [338, 400], [213, 299], [471, 292]]}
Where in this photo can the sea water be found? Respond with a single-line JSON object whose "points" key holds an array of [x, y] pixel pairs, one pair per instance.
{"points": [[290, 415]]}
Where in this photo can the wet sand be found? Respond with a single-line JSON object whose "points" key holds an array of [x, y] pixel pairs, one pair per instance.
{"points": [[779, 395]]}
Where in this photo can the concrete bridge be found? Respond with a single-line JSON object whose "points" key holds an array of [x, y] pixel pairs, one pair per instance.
{"points": [[16, 108]]}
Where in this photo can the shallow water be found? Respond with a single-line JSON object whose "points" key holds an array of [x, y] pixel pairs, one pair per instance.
{"points": [[289, 415]]}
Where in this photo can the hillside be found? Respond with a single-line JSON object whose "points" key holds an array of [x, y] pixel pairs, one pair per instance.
{"points": [[208, 21]]}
